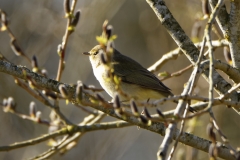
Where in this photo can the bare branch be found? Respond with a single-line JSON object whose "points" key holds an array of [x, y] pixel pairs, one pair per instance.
{"points": [[157, 127], [68, 31], [234, 35], [186, 45], [65, 131], [222, 17], [176, 52]]}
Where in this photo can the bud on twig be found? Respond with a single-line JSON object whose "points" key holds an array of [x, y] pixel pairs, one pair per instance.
{"points": [[3, 20], [99, 97], [109, 31], [227, 55], [50, 94], [119, 112], [15, 47], [63, 90], [205, 8], [76, 19], [117, 107], [32, 109], [104, 27], [117, 103], [53, 117], [103, 58], [60, 51], [146, 113], [160, 113], [5, 102], [109, 51], [211, 133], [44, 72], [143, 119], [79, 90], [31, 82], [9, 105], [38, 116], [134, 107], [34, 64], [67, 7]]}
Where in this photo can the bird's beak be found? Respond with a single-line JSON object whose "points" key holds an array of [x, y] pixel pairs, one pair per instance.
{"points": [[86, 53]]}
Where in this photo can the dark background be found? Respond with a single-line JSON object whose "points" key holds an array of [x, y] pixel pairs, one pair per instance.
{"points": [[39, 26]]}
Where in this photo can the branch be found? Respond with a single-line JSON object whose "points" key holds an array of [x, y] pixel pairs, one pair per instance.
{"points": [[232, 72], [216, 101], [156, 127], [71, 24], [187, 46], [33, 141], [222, 17], [36, 94], [176, 52], [234, 35], [68, 144], [40, 81], [65, 131], [181, 107], [13, 42]]}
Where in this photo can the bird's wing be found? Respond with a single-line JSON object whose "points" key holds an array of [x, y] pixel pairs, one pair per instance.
{"points": [[132, 72]]}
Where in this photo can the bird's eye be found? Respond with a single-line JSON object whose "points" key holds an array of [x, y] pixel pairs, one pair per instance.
{"points": [[95, 53]]}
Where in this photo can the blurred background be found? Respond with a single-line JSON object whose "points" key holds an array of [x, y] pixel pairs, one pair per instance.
{"points": [[39, 27]]}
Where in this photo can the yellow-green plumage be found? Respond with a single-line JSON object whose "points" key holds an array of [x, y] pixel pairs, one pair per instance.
{"points": [[136, 81]]}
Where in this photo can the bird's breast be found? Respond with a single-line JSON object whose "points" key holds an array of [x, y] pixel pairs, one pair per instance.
{"points": [[101, 73]]}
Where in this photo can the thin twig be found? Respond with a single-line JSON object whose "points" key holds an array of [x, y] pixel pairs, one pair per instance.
{"points": [[63, 46], [176, 52], [177, 73], [33, 119], [66, 131], [186, 45], [89, 120], [53, 85], [15, 47], [36, 94], [30, 142]]}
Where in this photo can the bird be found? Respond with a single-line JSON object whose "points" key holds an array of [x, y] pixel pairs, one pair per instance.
{"points": [[135, 80]]}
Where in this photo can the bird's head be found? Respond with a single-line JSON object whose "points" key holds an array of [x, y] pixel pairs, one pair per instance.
{"points": [[95, 55]]}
